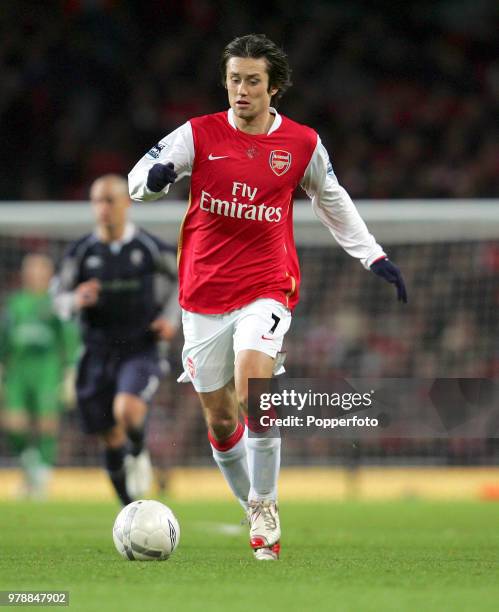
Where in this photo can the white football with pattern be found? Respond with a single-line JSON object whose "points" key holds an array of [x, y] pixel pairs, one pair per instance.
{"points": [[146, 530]]}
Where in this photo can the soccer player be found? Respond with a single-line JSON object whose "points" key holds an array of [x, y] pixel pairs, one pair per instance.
{"points": [[238, 268], [122, 283], [35, 348]]}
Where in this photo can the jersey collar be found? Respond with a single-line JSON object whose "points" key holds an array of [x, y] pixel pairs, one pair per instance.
{"points": [[273, 127], [128, 235]]}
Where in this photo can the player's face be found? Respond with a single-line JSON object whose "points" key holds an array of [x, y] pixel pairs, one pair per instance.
{"points": [[109, 203], [248, 86], [36, 273]]}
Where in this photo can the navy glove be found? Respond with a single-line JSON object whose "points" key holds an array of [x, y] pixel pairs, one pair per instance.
{"points": [[390, 272], [160, 175]]}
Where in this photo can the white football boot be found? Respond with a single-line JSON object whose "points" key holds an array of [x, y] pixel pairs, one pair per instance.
{"points": [[265, 530], [139, 474]]}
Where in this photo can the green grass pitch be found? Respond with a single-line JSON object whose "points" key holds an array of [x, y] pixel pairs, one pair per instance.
{"points": [[354, 556]]}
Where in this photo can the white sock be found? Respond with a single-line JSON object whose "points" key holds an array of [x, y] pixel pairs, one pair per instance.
{"points": [[233, 464], [264, 460]]}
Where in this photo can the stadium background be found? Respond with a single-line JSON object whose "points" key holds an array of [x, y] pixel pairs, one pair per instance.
{"points": [[406, 103]]}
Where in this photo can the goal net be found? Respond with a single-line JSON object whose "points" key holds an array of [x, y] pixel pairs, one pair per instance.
{"points": [[348, 322]]}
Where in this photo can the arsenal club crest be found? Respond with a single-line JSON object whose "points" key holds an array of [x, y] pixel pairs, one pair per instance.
{"points": [[280, 162]]}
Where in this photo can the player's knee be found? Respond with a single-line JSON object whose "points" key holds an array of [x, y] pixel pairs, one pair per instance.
{"points": [[129, 410], [221, 427], [15, 422], [48, 425]]}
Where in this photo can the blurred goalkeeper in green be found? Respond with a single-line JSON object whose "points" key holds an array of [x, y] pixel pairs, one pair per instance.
{"points": [[35, 349]]}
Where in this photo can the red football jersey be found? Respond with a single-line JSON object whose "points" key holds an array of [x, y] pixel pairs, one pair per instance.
{"points": [[236, 241]]}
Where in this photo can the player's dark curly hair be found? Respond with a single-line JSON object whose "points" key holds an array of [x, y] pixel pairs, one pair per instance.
{"points": [[256, 46]]}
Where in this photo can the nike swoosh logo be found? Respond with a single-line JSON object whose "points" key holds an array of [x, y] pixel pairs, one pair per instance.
{"points": [[212, 157], [265, 338]]}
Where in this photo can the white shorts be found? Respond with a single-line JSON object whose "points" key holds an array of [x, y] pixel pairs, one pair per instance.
{"points": [[213, 341]]}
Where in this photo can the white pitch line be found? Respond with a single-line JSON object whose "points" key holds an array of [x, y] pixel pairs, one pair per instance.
{"points": [[228, 529]]}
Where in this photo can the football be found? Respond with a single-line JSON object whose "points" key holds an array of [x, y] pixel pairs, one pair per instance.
{"points": [[146, 530]]}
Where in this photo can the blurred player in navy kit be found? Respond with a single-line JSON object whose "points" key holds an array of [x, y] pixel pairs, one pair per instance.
{"points": [[122, 283]]}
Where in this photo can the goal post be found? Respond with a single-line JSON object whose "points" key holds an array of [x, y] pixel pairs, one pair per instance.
{"points": [[391, 221]]}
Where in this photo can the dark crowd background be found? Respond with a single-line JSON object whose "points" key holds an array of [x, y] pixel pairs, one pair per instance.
{"points": [[404, 95], [347, 325]]}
